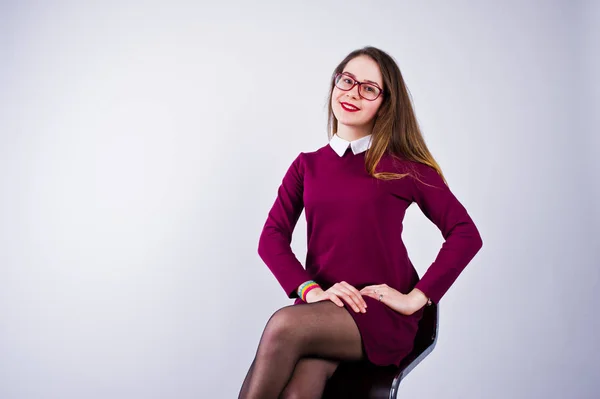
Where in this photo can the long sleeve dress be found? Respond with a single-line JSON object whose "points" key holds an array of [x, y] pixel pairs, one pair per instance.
{"points": [[354, 227]]}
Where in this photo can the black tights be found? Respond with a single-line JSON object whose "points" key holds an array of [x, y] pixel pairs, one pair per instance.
{"points": [[300, 348]]}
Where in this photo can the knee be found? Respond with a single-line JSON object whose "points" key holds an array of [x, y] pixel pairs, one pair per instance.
{"points": [[279, 328]]}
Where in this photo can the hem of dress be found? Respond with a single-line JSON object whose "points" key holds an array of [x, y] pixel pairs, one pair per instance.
{"points": [[362, 342], [368, 355]]}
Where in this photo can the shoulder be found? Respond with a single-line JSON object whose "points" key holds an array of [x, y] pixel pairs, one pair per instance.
{"points": [[422, 170], [398, 164], [418, 173], [309, 157], [319, 152], [306, 159]]}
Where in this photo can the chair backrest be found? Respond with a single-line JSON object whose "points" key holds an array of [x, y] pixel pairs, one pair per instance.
{"points": [[425, 341], [366, 381]]}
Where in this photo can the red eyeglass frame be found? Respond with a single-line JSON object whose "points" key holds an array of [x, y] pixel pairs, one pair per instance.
{"points": [[356, 82]]}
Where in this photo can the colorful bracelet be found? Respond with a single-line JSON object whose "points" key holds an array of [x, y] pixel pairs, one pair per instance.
{"points": [[305, 289]]}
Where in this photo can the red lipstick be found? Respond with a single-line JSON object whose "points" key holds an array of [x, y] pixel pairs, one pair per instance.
{"points": [[349, 107]]}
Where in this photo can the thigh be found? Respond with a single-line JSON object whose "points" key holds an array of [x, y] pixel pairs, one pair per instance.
{"points": [[309, 378], [318, 329]]}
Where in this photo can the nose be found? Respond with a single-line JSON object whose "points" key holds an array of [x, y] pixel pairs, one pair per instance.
{"points": [[353, 92]]}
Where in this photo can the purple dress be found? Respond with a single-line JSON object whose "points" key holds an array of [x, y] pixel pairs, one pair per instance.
{"points": [[354, 227]]}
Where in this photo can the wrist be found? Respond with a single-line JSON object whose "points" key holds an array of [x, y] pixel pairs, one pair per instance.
{"points": [[313, 293], [419, 299], [305, 288]]}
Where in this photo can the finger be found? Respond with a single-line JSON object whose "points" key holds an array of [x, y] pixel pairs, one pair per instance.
{"points": [[335, 300], [371, 295], [347, 296], [338, 290], [368, 291], [356, 294], [353, 294], [370, 288]]}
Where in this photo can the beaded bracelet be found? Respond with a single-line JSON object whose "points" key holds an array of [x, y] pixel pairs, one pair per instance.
{"points": [[305, 288]]}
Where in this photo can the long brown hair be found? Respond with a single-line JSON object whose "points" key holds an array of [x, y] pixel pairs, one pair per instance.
{"points": [[396, 130]]}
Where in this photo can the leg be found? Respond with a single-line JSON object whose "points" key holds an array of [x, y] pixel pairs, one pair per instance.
{"points": [[246, 383], [309, 378], [319, 329]]}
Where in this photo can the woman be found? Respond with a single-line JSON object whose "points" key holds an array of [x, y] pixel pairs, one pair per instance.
{"points": [[359, 297]]}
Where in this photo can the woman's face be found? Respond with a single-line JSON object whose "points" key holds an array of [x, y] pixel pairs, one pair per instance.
{"points": [[361, 68]]}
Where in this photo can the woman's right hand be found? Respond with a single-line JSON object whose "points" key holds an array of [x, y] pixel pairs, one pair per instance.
{"points": [[339, 290]]}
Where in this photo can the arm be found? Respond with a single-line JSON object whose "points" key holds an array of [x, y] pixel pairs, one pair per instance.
{"points": [[418, 299], [276, 237], [462, 239]]}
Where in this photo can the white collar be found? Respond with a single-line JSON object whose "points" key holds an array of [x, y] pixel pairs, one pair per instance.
{"points": [[340, 145]]}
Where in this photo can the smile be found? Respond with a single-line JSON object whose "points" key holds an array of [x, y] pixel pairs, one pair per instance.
{"points": [[349, 107]]}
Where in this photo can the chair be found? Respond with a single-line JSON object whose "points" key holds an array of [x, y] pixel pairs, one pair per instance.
{"points": [[363, 380]]}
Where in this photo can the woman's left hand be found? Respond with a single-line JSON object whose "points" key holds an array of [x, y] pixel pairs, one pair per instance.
{"points": [[394, 299]]}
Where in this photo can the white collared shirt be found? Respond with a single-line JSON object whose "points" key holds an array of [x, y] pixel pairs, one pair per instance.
{"points": [[340, 145]]}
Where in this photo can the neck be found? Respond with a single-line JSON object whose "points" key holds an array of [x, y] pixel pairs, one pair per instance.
{"points": [[352, 133]]}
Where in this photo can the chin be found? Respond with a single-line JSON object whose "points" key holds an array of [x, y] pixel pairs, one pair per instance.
{"points": [[346, 119], [353, 123]]}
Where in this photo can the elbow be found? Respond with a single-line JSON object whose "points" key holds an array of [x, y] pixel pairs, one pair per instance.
{"points": [[477, 240], [266, 242], [478, 243], [272, 242], [262, 245], [472, 237]]}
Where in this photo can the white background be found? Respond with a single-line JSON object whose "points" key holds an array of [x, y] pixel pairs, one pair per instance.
{"points": [[142, 144]]}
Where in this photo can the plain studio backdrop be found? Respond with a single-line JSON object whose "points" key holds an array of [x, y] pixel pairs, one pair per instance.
{"points": [[142, 145]]}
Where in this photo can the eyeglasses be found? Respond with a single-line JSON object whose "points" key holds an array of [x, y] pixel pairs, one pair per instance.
{"points": [[368, 91]]}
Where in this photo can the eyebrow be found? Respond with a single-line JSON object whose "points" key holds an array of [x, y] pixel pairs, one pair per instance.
{"points": [[366, 80]]}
